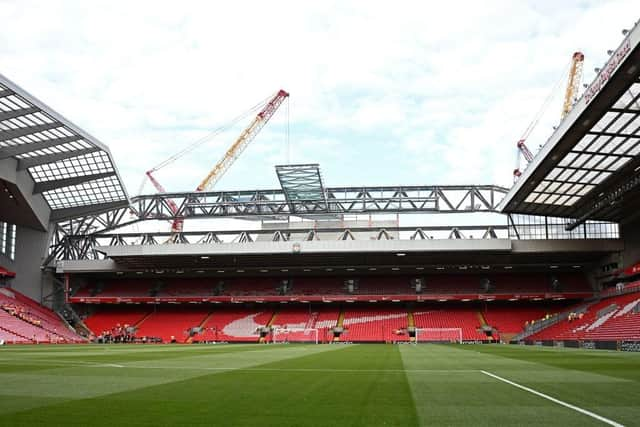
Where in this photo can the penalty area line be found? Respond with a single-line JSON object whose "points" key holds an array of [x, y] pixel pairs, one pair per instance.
{"points": [[554, 400]]}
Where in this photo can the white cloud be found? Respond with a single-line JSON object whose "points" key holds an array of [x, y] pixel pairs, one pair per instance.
{"points": [[390, 93]]}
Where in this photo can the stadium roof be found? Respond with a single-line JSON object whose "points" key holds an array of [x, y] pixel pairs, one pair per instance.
{"points": [[70, 169], [589, 167], [301, 182]]}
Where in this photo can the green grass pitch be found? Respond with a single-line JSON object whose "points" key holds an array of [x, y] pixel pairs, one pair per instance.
{"points": [[316, 385]]}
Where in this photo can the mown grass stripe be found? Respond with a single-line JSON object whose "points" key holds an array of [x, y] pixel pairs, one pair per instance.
{"points": [[554, 400]]}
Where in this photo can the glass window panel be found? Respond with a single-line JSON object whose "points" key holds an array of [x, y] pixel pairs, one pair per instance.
{"points": [[552, 187], [584, 142], [599, 143], [554, 173], [619, 163], [624, 100], [551, 200], [605, 121], [571, 201], [593, 162], [567, 159], [620, 122], [585, 189], [601, 177]]}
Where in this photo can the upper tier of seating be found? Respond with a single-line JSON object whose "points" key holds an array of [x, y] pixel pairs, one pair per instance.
{"points": [[327, 286]]}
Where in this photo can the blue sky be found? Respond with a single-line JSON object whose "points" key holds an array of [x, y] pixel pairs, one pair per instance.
{"points": [[382, 93]]}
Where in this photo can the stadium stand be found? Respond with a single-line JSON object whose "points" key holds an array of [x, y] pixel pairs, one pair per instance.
{"points": [[453, 317], [511, 319], [171, 324], [569, 285], [237, 324], [107, 318], [370, 324], [31, 322], [612, 318], [294, 320]]}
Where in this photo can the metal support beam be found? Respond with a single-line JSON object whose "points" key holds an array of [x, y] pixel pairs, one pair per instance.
{"points": [[273, 203], [15, 150], [609, 200], [6, 115], [16, 133], [109, 212], [41, 187], [52, 158]]}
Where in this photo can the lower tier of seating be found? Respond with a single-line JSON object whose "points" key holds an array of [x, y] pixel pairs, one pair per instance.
{"points": [[369, 322], [105, 319], [453, 317], [300, 324], [375, 324], [23, 320]]}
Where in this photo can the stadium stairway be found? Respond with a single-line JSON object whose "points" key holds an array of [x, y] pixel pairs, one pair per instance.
{"points": [[141, 321], [201, 326], [340, 323], [483, 321], [411, 323], [268, 325]]}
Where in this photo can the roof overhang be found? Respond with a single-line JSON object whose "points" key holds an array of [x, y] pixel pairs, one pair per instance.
{"points": [[336, 255], [53, 162], [593, 151]]}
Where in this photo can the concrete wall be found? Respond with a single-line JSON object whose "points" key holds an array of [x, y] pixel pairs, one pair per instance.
{"points": [[630, 234], [31, 248]]}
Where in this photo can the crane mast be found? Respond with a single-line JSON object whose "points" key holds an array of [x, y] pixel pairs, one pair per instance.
{"points": [[526, 153], [571, 93], [573, 85], [231, 155], [243, 141], [176, 225]]}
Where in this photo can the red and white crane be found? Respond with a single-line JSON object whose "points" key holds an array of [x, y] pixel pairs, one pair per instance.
{"points": [[570, 97], [267, 109]]}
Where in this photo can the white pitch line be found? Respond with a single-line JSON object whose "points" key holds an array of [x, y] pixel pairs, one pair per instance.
{"points": [[554, 400], [328, 370]]}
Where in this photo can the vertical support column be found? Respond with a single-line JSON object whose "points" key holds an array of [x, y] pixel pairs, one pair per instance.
{"points": [[546, 227], [66, 288]]}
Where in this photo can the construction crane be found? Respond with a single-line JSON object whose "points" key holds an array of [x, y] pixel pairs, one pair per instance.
{"points": [[573, 85], [267, 109], [571, 94], [242, 142], [526, 153], [176, 226]]}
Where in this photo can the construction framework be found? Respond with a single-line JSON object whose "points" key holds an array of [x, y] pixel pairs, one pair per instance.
{"points": [[274, 204]]}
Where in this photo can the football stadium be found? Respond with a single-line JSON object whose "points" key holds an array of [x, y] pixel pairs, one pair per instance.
{"points": [[315, 305]]}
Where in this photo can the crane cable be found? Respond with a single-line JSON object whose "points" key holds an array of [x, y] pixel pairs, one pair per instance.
{"points": [[204, 139], [545, 105], [543, 109], [288, 134]]}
